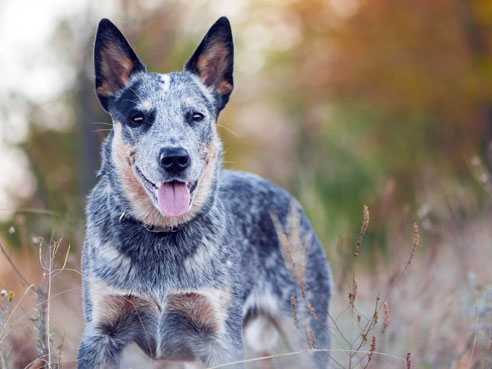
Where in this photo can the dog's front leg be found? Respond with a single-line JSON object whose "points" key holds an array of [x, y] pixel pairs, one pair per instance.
{"points": [[101, 347], [228, 348]]}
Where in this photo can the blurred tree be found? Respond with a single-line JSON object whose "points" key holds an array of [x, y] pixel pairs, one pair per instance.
{"points": [[403, 88], [423, 63]]}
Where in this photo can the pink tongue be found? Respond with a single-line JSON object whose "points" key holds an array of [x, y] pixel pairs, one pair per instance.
{"points": [[174, 198]]}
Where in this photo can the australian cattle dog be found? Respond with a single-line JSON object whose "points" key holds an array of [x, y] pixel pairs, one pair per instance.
{"points": [[190, 262]]}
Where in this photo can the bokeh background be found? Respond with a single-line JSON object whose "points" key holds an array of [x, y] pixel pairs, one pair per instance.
{"points": [[343, 102]]}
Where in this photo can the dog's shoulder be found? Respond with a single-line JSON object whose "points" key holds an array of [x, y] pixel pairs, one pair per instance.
{"points": [[253, 198], [247, 187]]}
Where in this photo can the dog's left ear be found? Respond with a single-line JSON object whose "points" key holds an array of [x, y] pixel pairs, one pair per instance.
{"points": [[213, 61]]}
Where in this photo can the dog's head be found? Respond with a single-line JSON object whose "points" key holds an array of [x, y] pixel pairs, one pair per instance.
{"points": [[164, 147]]}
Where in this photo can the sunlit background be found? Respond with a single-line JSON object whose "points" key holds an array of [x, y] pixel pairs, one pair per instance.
{"points": [[343, 102]]}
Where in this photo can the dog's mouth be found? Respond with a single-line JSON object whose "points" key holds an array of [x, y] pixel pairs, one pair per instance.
{"points": [[174, 197]]}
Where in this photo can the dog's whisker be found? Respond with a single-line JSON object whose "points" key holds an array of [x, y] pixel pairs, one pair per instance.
{"points": [[102, 123], [228, 129], [132, 101]]}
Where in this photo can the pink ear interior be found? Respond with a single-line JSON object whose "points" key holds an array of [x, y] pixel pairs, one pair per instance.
{"points": [[212, 66], [116, 68]]}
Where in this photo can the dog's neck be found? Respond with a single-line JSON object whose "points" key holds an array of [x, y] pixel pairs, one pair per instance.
{"points": [[208, 214]]}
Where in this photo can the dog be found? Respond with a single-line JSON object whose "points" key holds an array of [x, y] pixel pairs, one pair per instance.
{"points": [[186, 260]]}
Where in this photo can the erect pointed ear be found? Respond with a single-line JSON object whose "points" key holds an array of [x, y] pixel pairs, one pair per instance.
{"points": [[213, 61], [114, 60]]}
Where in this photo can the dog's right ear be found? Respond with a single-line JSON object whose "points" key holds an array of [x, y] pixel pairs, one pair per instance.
{"points": [[114, 60]]}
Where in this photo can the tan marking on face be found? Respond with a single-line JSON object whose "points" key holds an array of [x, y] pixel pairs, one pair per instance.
{"points": [[205, 307], [211, 67], [116, 70], [203, 188], [110, 304], [140, 201]]}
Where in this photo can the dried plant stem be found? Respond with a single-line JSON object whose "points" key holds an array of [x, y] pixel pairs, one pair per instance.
{"points": [[365, 331], [386, 316], [48, 309], [23, 280], [313, 338], [489, 352], [325, 308], [293, 353], [474, 341], [363, 230], [44, 299], [371, 351], [311, 310], [294, 312], [395, 281], [355, 285]]}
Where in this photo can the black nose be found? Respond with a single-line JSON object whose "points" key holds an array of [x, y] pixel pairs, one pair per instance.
{"points": [[174, 159]]}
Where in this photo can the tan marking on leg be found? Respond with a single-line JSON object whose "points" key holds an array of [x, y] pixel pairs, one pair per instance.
{"points": [[196, 307], [110, 304], [203, 188], [205, 307]]}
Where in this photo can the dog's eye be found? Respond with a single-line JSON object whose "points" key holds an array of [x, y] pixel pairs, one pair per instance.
{"points": [[197, 117], [138, 118]]}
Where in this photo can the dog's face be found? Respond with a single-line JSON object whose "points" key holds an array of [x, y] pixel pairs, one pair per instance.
{"points": [[165, 145]]}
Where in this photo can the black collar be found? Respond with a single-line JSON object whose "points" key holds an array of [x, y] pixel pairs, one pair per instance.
{"points": [[151, 228]]}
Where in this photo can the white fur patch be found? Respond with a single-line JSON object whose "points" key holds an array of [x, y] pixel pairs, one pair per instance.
{"points": [[146, 105], [263, 301], [188, 102], [261, 335], [165, 82], [201, 258], [194, 365], [115, 259]]}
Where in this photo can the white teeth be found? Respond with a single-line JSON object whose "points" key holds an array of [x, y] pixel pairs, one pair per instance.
{"points": [[152, 184]]}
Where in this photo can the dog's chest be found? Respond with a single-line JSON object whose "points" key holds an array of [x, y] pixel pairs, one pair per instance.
{"points": [[163, 328]]}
